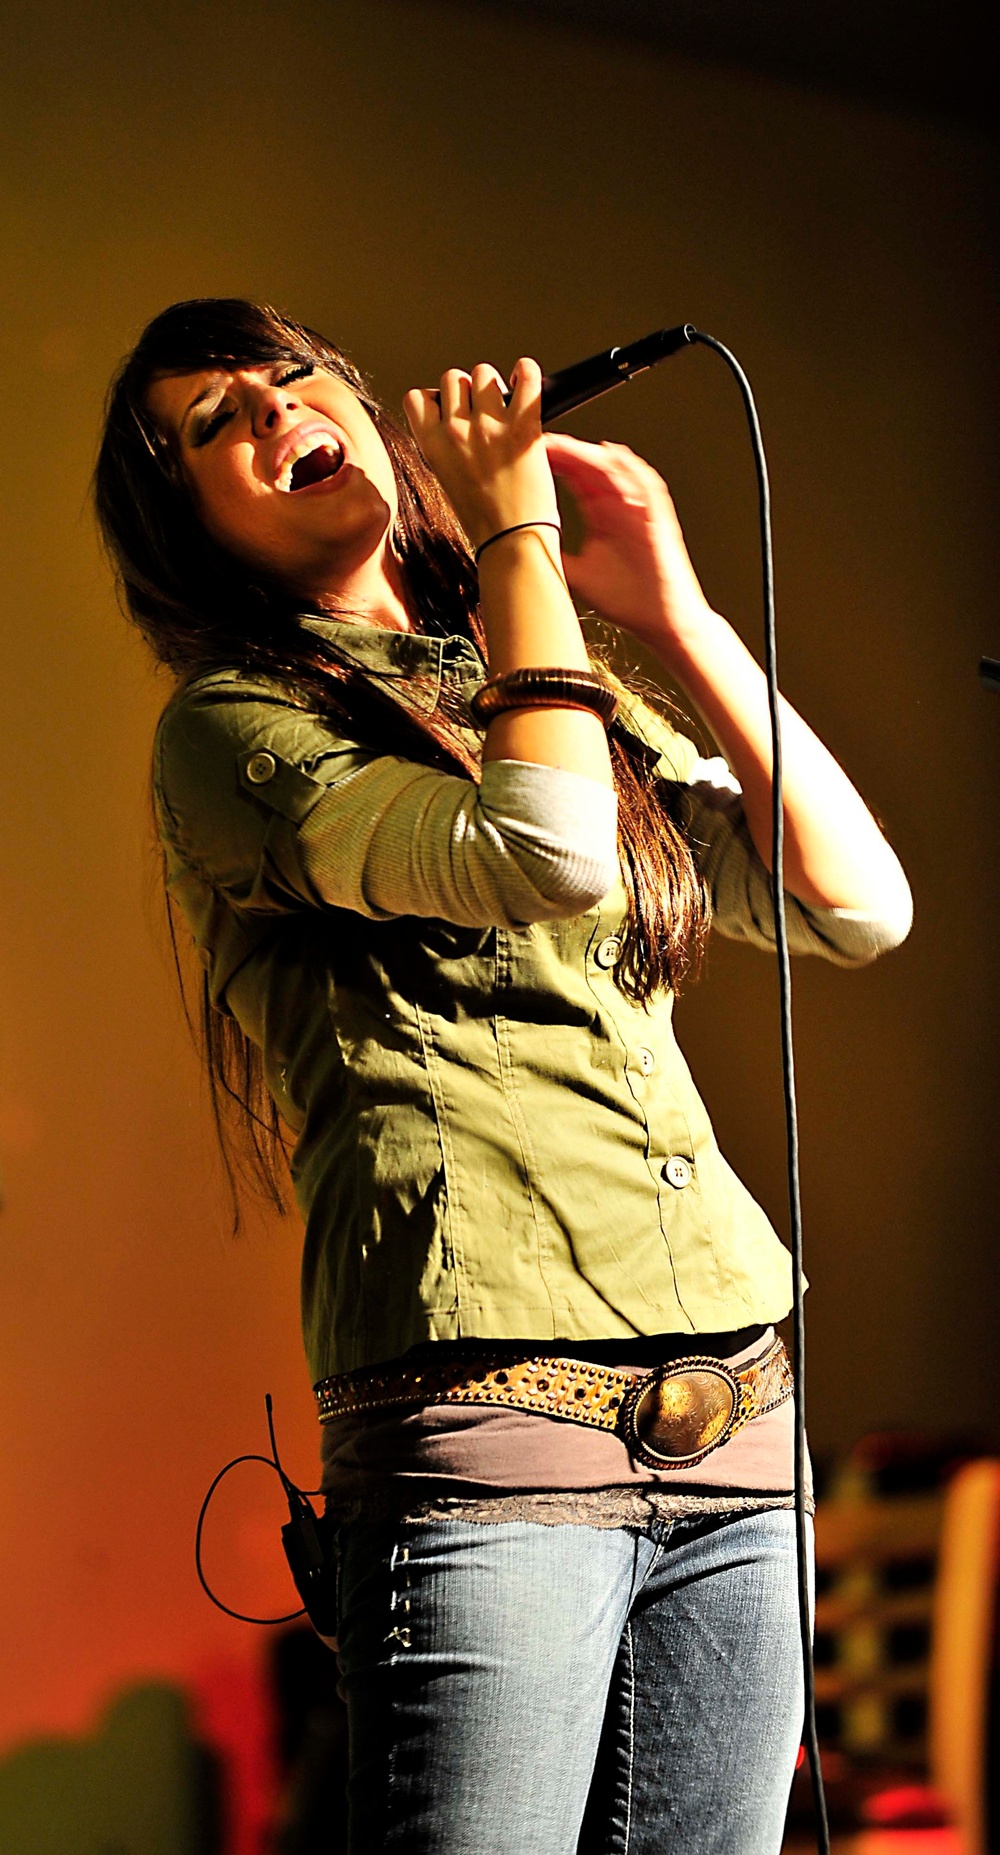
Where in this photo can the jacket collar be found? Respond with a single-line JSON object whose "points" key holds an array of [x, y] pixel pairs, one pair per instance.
{"points": [[424, 661], [396, 653]]}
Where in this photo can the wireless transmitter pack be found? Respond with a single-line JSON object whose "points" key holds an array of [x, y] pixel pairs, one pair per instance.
{"points": [[306, 1537]]}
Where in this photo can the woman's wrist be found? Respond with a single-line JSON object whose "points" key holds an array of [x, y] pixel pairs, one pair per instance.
{"points": [[509, 512], [523, 491], [515, 528], [518, 554], [682, 631], [704, 654]]}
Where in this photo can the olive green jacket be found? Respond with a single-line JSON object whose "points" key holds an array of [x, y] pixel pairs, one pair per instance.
{"points": [[490, 1139]]}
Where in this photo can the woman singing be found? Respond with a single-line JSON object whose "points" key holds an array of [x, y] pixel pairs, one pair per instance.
{"points": [[444, 873]]}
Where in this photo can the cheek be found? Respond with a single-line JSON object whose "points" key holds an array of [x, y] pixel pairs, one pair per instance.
{"points": [[376, 463], [226, 501]]}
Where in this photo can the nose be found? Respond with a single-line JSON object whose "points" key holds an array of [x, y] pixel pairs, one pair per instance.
{"points": [[270, 407]]}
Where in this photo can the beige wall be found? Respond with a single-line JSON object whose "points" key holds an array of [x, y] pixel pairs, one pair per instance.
{"points": [[435, 188]]}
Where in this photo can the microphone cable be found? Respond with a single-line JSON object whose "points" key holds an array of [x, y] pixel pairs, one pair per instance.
{"points": [[811, 1738]]}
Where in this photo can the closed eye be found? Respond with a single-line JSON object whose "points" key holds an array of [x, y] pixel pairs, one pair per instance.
{"points": [[207, 431], [301, 372], [211, 426]]}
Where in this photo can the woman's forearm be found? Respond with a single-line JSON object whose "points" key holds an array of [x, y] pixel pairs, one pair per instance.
{"points": [[634, 568], [530, 619], [835, 856]]}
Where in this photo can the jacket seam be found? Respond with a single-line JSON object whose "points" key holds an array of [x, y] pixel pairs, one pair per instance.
{"points": [[452, 1196], [528, 1162]]}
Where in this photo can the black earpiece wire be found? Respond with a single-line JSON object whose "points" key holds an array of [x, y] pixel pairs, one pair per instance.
{"points": [[271, 1462]]}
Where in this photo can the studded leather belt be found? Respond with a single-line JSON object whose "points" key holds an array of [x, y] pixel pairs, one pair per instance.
{"points": [[670, 1418]]}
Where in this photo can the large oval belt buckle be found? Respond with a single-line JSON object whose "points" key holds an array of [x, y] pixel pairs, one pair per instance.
{"points": [[678, 1415]]}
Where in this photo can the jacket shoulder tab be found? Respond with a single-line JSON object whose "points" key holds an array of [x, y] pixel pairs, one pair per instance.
{"points": [[278, 783]]}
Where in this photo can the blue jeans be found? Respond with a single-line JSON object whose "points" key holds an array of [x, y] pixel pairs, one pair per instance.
{"points": [[519, 1689]]}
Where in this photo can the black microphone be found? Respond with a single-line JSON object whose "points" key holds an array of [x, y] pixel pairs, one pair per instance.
{"points": [[573, 386]]}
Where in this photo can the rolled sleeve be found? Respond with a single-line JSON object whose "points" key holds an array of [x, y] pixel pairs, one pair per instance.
{"points": [[707, 796], [277, 812], [740, 884]]}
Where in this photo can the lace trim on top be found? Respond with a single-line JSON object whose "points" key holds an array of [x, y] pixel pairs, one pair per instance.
{"points": [[590, 1507]]}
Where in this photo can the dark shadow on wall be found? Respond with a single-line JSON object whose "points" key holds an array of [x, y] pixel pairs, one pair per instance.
{"points": [[142, 1785], [922, 56], [311, 1745]]}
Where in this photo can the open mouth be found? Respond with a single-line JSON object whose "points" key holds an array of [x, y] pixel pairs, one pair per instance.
{"points": [[320, 456]]}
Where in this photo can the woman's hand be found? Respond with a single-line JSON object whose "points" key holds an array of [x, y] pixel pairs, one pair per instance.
{"points": [[634, 567], [490, 458], [491, 462]]}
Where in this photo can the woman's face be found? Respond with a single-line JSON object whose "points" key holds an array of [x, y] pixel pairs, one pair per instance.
{"points": [[285, 466]]}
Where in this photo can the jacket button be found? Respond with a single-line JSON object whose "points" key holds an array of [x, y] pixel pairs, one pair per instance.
{"points": [[647, 1061], [608, 951], [261, 768], [678, 1172]]}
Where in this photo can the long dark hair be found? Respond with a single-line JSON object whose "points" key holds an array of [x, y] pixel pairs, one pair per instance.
{"points": [[200, 609]]}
